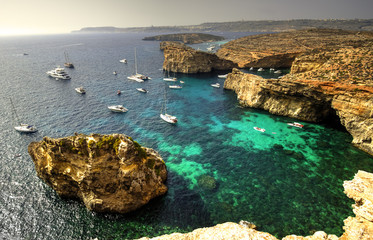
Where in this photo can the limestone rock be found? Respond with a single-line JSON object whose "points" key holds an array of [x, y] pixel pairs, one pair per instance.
{"points": [[184, 59], [109, 173], [281, 49], [361, 190]]}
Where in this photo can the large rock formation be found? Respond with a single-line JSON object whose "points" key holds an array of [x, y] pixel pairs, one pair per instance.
{"points": [[360, 189], [109, 173], [184, 59], [187, 38], [323, 86], [280, 49], [359, 227]]}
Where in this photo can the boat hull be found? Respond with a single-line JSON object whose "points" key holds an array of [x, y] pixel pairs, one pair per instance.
{"points": [[168, 118]]}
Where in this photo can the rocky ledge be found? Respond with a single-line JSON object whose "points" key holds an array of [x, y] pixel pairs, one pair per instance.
{"points": [[187, 38], [184, 59], [109, 173], [330, 86], [359, 227], [280, 49]]}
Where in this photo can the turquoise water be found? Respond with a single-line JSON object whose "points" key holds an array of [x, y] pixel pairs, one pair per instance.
{"points": [[286, 180]]}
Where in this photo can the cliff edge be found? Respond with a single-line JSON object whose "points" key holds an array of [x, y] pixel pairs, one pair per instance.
{"points": [[109, 173]]}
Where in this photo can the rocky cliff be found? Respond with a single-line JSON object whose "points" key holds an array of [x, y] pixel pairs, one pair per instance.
{"points": [[328, 86], [359, 227], [184, 59], [187, 38], [109, 173], [280, 49]]}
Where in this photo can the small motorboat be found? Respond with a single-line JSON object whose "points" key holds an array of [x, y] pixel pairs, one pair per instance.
{"points": [[175, 87], [118, 108], [271, 69], [170, 79], [123, 60], [260, 69], [223, 76], [142, 90], [259, 129], [277, 71], [25, 128], [119, 92], [215, 85], [182, 81], [115, 73], [80, 90], [251, 69], [295, 124]]}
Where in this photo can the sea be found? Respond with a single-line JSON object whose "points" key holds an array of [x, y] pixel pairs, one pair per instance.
{"points": [[286, 180]]}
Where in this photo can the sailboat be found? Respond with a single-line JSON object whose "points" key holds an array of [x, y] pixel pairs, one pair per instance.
{"points": [[22, 127], [67, 63], [138, 77], [168, 78], [164, 115]]}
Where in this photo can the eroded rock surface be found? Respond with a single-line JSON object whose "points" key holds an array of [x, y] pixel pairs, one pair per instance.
{"points": [[109, 173]]}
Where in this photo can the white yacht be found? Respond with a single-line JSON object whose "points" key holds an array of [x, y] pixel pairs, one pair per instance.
{"points": [[59, 73], [216, 85], [170, 79], [175, 87], [80, 90], [137, 76], [22, 127], [25, 128], [118, 108]]}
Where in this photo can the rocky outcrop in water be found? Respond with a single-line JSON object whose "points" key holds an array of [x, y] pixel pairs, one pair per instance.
{"points": [[109, 173], [332, 86], [359, 227], [184, 59], [187, 38], [280, 49]]}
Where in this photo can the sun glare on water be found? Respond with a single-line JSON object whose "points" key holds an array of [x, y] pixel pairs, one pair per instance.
{"points": [[18, 31]]}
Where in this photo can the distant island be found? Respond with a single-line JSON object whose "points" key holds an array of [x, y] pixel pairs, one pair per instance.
{"points": [[187, 38], [247, 26]]}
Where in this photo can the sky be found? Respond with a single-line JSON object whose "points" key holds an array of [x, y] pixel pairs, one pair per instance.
{"points": [[51, 16]]}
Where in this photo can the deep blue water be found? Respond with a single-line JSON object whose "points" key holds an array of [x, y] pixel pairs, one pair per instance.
{"points": [[286, 180]]}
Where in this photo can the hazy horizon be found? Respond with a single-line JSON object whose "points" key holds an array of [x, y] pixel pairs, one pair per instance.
{"points": [[49, 17]]}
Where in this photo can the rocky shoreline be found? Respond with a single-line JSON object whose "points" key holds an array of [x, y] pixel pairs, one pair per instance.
{"points": [[359, 227]]}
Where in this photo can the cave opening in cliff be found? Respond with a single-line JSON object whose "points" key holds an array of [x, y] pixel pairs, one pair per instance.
{"points": [[332, 120]]}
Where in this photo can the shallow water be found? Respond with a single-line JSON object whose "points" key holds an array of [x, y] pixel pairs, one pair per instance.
{"points": [[286, 180]]}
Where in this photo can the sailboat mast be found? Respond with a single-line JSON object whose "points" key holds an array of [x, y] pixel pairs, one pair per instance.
{"points": [[135, 62], [14, 110]]}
